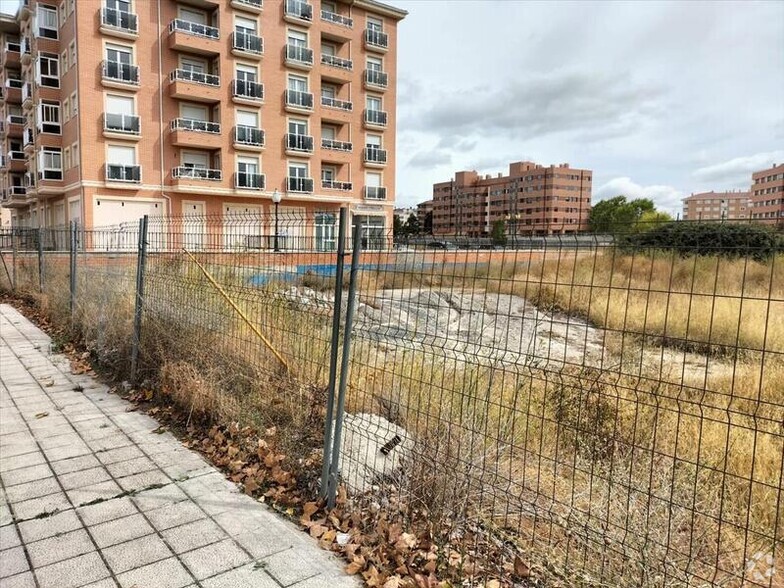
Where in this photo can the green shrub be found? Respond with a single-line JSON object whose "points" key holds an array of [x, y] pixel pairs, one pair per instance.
{"points": [[730, 240]]}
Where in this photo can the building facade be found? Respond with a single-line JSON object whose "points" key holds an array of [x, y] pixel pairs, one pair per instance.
{"points": [[532, 200], [717, 206], [117, 108], [767, 195]]}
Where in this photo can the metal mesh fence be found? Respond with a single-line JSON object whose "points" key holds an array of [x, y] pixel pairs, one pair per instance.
{"points": [[607, 410]]}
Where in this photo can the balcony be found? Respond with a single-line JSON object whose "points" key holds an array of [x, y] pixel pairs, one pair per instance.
{"points": [[29, 140], [375, 193], [338, 19], [337, 69], [246, 181], [339, 62], [330, 102], [121, 126], [13, 91], [195, 86], [194, 37], [298, 57], [248, 138], [15, 197], [375, 119], [376, 41], [335, 145], [297, 101], [120, 75], [375, 157], [14, 125], [375, 80], [12, 55], [16, 161], [298, 144], [302, 185], [297, 12], [119, 24], [27, 55], [254, 6], [335, 185], [124, 174], [247, 45], [247, 92], [197, 173], [188, 132]]}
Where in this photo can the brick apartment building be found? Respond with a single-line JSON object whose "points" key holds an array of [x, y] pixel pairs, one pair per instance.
{"points": [[717, 206], [767, 194], [532, 199], [112, 109]]}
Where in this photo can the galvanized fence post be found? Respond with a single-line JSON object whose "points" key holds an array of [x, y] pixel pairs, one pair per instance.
{"points": [[333, 350], [352, 296], [14, 233], [40, 260], [141, 262], [72, 251]]}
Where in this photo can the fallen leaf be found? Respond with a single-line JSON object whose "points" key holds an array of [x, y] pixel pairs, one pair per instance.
{"points": [[520, 568], [393, 582], [41, 415]]}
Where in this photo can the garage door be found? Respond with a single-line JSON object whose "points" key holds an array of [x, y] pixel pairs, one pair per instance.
{"points": [[116, 222], [242, 226]]}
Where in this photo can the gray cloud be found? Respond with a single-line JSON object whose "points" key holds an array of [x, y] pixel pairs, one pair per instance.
{"points": [[738, 170], [431, 158], [666, 198]]}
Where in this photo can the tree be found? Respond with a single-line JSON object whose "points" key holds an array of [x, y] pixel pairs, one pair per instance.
{"points": [[619, 215], [650, 219], [428, 228], [397, 227], [412, 225], [498, 233]]}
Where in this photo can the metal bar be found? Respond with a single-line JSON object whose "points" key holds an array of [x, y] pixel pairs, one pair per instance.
{"points": [[141, 262], [13, 259], [72, 251], [40, 260], [333, 351], [352, 296]]}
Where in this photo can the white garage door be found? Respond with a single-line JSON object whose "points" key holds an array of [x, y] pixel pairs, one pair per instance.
{"points": [[116, 222], [242, 226]]}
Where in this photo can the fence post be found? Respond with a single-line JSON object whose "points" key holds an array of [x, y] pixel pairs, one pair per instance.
{"points": [[333, 351], [40, 260], [141, 262], [72, 251], [352, 296], [14, 234]]}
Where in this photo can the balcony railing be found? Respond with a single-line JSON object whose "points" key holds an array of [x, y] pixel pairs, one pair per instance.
{"points": [[197, 77], [335, 61], [116, 172], [299, 99], [330, 102], [247, 42], [375, 155], [17, 191], [16, 155], [122, 123], [295, 184], [299, 9], [299, 54], [199, 126], [117, 19], [336, 18], [375, 193], [27, 92], [377, 78], [248, 181], [335, 185], [252, 3], [336, 145], [247, 135], [197, 173], [376, 117], [194, 28], [121, 72], [247, 89], [302, 143], [376, 38]]}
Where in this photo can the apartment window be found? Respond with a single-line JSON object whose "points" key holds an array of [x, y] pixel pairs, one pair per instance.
{"points": [[72, 51], [373, 141], [246, 73], [298, 83], [328, 132], [248, 173], [121, 164], [375, 24], [298, 127], [46, 22], [248, 118], [49, 117], [62, 14], [50, 163], [64, 61], [120, 115], [47, 70], [298, 180], [244, 25], [297, 39], [191, 15], [195, 160], [375, 64], [66, 110], [67, 158], [74, 105], [328, 174], [328, 49], [193, 65], [374, 103], [119, 5], [328, 91], [75, 153]]}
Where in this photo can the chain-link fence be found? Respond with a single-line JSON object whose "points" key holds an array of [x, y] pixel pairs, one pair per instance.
{"points": [[608, 414]]}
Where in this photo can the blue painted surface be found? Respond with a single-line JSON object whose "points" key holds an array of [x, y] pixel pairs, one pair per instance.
{"points": [[327, 270]]}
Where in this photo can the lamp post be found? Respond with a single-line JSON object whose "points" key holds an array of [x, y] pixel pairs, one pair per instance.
{"points": [[276, 198]]}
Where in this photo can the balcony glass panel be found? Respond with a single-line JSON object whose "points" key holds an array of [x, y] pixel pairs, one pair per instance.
{"points": [[197, 173], [302, 143], [200, 126], [299, 99], [376, 117], [248, 42], [334, 61], [375, 193], [121, 72], [122, 123], [249, 181], [376, 78], [299, 54], [376, 38], [194, 28], [299, 9], [197, 77], [248, 135], [116, 172], [117, 19], [336, 18], [248, 89], [295, 184]]}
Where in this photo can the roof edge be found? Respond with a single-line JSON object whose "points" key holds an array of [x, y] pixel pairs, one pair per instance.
{"points": [[380, 7]]}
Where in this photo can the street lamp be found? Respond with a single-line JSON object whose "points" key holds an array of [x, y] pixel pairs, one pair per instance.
{"points": [[276, 198]]}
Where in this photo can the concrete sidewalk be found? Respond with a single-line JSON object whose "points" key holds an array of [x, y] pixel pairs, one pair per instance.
{"points": [[90, 496]]}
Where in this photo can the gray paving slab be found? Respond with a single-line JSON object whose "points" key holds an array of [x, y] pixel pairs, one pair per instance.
{"points": [[98, 500]]}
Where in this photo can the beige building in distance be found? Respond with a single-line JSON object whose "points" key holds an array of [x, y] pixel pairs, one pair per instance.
{"points": [[767, 194], [112, 109], [708, 206]]}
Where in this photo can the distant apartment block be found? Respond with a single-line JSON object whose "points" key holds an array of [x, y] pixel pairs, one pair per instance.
{"points": [[117, 108], [717, 206], [767, 194], [532, 200], [423, 209], [403, 213]]}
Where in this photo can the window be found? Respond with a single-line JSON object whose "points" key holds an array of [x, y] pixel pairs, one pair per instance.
{"points": [[195, 160], [46, 22], [71, 4], [50, 163], [67, 158], [328, 132], [297, 38], [119, 5], [193, 65], [120, 114], [246, 73], [121, 164], [374, 64], [72, 51], [119, 54], [191, 15], [298, 127], [298, 83], [62, 13], [248, 118], [66, 110], [298, 180], [47, 70], [328, 49], [75, 153], [49, 117], [245, 25], [74, 105], [328, 174], [248, 175], [329, 7], [375, 24], [373, 141], [64, 61], [328, 91]]}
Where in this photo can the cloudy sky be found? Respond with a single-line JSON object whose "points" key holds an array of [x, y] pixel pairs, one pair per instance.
{"points": [[658, 98]]}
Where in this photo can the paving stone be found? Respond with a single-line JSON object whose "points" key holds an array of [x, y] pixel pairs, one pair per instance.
{"points": [[41, 506], [291, 566], [213, 559], [249, 576], [60, 547], [168, 573], [28, 474], [193, 535], [331, 580], [9, 537], [67, 452], [121, 454], [144, 480], [166, 496], [38, 529], [20, 461], [167, 517], [23, 580], [30, 490], [87, 494], [136, 553], [14, 562], [73, 573], [131, 466], [84, 478], [120, 530], [75, 464], [109, 510]]}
